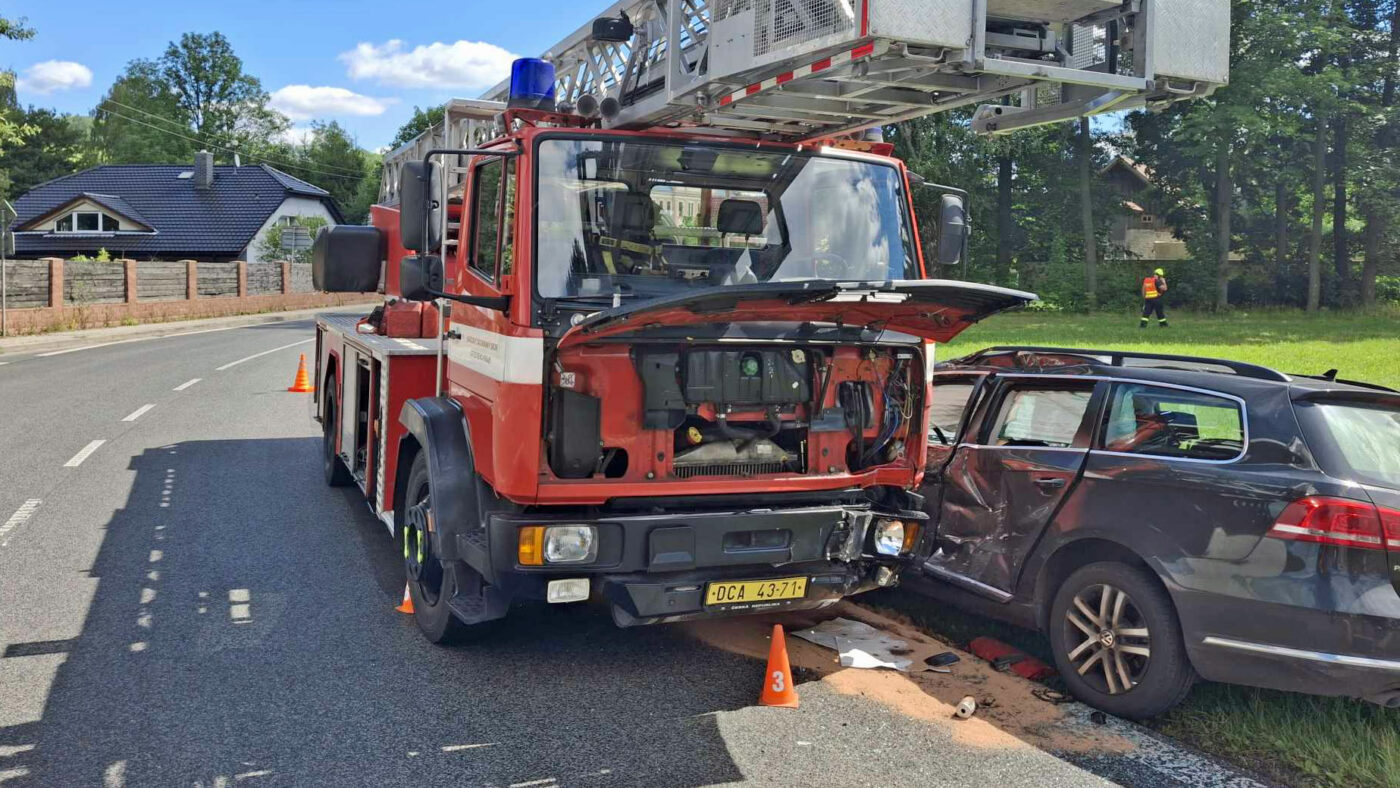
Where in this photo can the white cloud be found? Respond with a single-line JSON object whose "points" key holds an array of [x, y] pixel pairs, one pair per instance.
{"points": [[51, 75], [473, 65], [296, 135], [304, 102]]}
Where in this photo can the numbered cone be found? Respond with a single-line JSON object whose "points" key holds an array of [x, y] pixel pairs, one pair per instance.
{"points": [[777, 682]]}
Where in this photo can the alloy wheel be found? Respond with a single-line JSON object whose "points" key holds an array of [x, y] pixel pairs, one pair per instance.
{"points": [[1107, 639]]}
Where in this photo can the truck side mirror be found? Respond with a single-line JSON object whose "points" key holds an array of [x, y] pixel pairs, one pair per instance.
{"points": [[420, 209], [420, 277], [952, 229]]}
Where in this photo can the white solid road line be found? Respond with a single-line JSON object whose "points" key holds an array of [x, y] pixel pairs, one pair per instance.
{"points": [[83, 454], [3, 363], [139, 412], [18, 518], [259, 355], [186, 384], [136, 339]]}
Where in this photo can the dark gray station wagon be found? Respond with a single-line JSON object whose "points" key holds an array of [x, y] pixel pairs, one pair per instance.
{"points": [[1162, 518]]}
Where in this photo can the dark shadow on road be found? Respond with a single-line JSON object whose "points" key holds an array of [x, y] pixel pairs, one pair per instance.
{"points": [[243, 632]]}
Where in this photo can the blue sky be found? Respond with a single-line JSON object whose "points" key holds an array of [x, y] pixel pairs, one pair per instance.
{"points": [[319, 59]]}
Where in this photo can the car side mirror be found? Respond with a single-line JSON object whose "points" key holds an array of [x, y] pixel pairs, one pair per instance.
{"points": [[952, 229], [420, 209], [420, 277]]}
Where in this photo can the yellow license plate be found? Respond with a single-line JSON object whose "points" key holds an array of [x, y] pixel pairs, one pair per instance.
{"points": [[748, 591]]}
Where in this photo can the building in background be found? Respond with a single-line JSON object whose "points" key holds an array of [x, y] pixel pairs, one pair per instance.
{"points": [[165, 211], [1142, 233]]}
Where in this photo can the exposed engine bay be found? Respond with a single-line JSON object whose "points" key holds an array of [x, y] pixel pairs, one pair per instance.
{"points": [[744, 411]]}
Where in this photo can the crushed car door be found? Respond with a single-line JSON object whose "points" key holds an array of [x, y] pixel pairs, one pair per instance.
{"points": [[1007, 479]]}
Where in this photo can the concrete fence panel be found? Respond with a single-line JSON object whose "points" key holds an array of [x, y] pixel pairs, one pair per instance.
{"points": [[26, 284], [264, 278], [217, 280], [301, 278], [160, 281], [86, 282]]}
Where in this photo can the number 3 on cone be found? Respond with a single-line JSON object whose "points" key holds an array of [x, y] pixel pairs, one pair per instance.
{"points": [[778, 685]]}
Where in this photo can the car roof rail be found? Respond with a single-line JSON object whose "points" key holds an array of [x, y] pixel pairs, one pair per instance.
{"points": [[1330, 376], [1116, 358]]}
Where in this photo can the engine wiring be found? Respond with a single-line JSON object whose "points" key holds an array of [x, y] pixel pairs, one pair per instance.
{"points": [[898, 410]]}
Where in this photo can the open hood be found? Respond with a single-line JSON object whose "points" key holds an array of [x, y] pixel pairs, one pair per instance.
{"points": [[936, 309]]}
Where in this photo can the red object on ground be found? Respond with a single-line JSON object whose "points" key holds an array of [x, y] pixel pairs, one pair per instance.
{"points": [[1025, 666]]}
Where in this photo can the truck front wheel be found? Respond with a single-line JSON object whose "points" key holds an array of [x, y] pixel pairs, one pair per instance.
{"points": [[433, 582]]}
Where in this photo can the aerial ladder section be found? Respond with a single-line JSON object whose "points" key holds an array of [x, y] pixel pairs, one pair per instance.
{"points": [[804, 70]]}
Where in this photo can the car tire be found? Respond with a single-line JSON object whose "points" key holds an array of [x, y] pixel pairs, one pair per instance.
{"points": [[1113, 626], [337, 475], [432, 581]]}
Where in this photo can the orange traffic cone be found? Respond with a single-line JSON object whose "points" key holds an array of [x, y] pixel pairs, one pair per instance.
{"points": [[777, 682], [302, 384], [407, 605]]}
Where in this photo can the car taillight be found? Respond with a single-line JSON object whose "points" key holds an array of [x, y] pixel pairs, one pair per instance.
{"points": [[1338, 521]]}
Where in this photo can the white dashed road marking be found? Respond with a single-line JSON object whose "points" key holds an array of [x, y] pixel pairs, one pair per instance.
{"points": [[186, 384], [259, 355], [3, 363], [139, 412], [83, 454], [21, 515]]}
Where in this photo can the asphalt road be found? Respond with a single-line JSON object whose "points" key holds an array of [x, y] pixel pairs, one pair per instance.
{"points": [[186, 603]]}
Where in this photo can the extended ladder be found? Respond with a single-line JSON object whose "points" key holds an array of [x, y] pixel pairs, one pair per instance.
{"points": [[802, 70]]}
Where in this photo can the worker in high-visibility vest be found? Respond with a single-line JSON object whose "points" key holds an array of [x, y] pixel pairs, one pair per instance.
{"points": [[1154, 292]]}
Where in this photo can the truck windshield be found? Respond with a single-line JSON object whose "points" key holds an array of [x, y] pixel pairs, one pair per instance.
{"points": [[644, 219]]}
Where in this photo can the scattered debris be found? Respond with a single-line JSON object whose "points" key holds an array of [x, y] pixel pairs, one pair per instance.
{"points": [[859, 644], [940, 660], [1051, 696], [1005, 657], [1098, 718], [966, 708], [987, 703]]}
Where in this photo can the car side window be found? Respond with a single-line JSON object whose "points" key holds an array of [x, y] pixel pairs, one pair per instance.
{"points": [[950, 399], [1040, 417], [1166, 422]]}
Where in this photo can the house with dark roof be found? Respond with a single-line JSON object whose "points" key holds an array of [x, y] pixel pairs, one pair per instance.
{"points": [[164, 211], [1141, 232]]}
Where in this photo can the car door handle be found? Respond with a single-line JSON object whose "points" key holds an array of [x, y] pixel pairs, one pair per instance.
{"points": [[1050, 482]]}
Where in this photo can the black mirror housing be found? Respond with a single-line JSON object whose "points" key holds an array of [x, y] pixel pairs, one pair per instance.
{"points": [[420, 211], [952, 229], [347, 258], [420, 277]]}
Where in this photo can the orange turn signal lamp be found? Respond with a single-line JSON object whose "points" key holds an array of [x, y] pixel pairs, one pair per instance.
{"points": [[531, 552]]}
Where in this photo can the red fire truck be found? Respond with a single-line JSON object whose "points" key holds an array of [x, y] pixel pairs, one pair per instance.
{"points": [[658, 324]]}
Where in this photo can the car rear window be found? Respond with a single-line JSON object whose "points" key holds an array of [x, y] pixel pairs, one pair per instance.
{"points": [[1167, 422], [1355, 441]]}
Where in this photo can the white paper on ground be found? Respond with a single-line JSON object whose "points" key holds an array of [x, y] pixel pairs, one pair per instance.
{"points": [[859, 644]]}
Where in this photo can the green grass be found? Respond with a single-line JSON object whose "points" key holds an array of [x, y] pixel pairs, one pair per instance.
{"points": [[1363, 346], [1294, 739]]}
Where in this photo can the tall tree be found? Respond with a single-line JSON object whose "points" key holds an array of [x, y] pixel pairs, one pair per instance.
{"points": [[1085, 155], [221, 102], [331, 159], [140, 121], [57, 147], [12, 132], [422, 120]]}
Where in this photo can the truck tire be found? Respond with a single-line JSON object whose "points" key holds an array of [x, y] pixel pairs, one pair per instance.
{"points": [[1117, 642], [337, 475], [433, 581]]}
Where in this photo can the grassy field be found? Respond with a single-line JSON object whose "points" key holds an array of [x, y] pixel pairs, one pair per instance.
{"points": [[1295, 739]]}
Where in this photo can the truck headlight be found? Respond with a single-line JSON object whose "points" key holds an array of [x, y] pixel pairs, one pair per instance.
{"points": [[889, 537], [570, 544]]}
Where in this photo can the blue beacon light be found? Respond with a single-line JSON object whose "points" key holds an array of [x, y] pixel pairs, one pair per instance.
{"points": [[531, 84]]}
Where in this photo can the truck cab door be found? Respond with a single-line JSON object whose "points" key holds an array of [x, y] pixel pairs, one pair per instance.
{"points": [[485, 267], [1021, 455]]}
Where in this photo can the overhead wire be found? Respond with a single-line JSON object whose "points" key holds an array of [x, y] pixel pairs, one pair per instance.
{"points": [[254, 156]]}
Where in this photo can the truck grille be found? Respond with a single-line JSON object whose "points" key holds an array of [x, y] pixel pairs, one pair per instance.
{"points": [[730, 469]]}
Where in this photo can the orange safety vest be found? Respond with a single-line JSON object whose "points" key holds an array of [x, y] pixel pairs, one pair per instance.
{"points": [[1149, 288]]}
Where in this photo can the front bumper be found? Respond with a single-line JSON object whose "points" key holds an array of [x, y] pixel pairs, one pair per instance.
{"points": [[653, 568]]}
